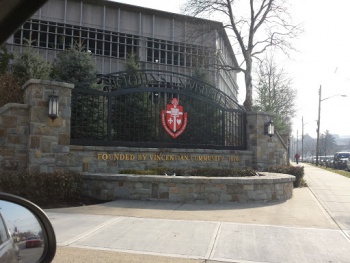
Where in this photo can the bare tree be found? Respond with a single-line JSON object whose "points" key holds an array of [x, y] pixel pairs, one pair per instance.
{"points": [[309, 145], [257, 26], [327, 144], [274, 93]]}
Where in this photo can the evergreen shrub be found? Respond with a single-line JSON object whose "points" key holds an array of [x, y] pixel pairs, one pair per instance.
{"points": [[10, 90]]}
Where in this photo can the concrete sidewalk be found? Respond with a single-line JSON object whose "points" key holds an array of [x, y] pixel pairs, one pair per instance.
{"points": [[333, 192], [310, 227]]}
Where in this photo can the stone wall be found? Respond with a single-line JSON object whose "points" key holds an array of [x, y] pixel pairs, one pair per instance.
{"points": [[269, 187], [29, 139], [97, 159], [14, 132]]}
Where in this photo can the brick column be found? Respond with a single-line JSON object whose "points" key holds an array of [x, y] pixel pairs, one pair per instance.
{"points": [[49, 141]]}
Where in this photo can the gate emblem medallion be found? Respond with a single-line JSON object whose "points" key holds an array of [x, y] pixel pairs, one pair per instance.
{"points": [[174, 119]]}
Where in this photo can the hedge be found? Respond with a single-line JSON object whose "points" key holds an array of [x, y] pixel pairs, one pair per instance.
{"points": [[43, 189], [297, 171]]}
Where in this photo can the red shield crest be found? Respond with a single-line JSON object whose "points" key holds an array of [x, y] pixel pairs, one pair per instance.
{"points": [[174, 119]]}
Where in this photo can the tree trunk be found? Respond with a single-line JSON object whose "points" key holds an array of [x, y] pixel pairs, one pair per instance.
{"points": [[248, 103]]}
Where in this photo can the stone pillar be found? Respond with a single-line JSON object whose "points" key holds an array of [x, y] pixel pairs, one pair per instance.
{"points": [[14, 129], [49, 141], [267, 151]]}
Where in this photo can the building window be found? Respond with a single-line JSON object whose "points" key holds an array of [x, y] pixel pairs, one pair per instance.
{"points": [[45, 34], [60, 36], [177, 54]]}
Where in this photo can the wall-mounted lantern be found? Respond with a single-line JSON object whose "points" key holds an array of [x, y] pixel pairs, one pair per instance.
{"points": [[53, 106], [269, 128]]}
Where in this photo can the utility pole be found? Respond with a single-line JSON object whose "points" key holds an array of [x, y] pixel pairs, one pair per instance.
{"points": [[296, 150], [302, 138], [318, 124], [319, 120]]}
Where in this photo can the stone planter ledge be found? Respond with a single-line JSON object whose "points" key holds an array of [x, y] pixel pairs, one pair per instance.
{"points": [[265, 188]]}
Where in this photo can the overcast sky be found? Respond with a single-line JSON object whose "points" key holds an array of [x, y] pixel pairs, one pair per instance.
{"points": [[323, 58]]}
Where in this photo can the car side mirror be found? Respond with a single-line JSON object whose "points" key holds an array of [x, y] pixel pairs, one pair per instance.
{"points": [[25, 231]]}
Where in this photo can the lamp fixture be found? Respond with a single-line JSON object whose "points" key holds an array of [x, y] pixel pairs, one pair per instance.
{"points": [[53, 106], [269, 128]]}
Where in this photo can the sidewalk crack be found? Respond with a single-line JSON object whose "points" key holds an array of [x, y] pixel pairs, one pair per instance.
{"points": [[213, 242]]}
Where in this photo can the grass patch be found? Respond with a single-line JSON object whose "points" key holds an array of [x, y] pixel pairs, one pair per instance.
{"points": [[341, 172]]}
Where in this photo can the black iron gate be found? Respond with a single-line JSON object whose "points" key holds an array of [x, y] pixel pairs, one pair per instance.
{"points": [[123, 109]]}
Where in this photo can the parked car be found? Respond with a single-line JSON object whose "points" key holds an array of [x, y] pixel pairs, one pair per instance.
{"points": [[307, 159], [330, 161], [33, 241], [339, 160], [313, 160], [8, 249], [322, 160]]}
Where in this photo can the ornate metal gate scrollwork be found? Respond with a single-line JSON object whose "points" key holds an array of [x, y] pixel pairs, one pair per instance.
{"points": [[123, 109]]}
